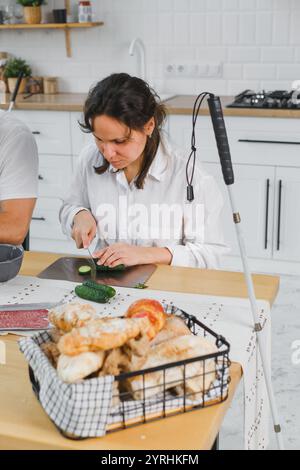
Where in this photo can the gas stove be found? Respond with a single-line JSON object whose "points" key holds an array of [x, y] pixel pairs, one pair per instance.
{"points": [[279, 99]]}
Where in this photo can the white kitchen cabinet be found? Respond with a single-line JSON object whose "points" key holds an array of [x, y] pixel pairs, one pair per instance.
{"points": [[51, 130], [254, 194], [287, 215], [79, 138], [55, 174], [45, 229], [264, 152]]}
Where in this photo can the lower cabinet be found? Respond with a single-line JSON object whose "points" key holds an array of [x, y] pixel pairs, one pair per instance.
{"points": [[45, 229], [254, 195], [287, 215], [265, 155], [268, 200]]}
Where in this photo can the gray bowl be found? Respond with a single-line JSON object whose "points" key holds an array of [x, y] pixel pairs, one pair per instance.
{"points": [[11, 258]]}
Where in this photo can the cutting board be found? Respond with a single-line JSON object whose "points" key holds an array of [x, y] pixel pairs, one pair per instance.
{"points": [[66, 269]]}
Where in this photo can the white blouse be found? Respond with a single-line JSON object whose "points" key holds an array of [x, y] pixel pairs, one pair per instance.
{"points": [[157, 215]]}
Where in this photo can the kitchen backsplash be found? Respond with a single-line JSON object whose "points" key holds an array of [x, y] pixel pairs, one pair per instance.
{"points": [[240, 43]]}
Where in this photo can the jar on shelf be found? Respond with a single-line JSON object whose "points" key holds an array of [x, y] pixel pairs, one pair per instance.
{"points": [[50, 85], [3, 60], [84, 12]]}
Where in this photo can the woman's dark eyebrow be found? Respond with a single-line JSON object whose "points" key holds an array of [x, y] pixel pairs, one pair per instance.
{"points": [[113, 140]]}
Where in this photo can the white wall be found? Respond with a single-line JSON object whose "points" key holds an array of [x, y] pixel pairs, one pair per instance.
{"points": [[257, 42]]}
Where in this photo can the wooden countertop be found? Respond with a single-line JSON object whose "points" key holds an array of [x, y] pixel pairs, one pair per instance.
{"points": [[178, 279], [58, 102], [24, 425], [180, 104]]}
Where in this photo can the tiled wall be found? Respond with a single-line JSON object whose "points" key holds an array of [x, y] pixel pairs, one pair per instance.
{"points": [[256, 41]]}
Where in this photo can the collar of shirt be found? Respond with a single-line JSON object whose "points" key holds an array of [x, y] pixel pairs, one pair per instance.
{"points": [[158, 167]]}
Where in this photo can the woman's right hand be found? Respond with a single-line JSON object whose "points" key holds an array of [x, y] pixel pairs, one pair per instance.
{"points": [[84, 229]]}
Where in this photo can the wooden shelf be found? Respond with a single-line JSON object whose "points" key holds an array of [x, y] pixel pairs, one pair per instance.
{"points": [[51, 25], [66, 27]]}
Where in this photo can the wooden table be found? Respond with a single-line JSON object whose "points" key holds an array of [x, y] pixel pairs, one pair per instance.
{"points": [[24, 424]]}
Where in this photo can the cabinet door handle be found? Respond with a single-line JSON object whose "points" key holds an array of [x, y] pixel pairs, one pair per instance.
{"points": [[279, 215], [38, 218], [256, 141], [36, 133], [267, 214], [40, 177]]}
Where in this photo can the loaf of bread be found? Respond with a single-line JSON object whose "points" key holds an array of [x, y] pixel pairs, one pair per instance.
{"points": [[177, 349], [174, 326], [50, 349], [102, 334], [73, 369], [65, 317]]}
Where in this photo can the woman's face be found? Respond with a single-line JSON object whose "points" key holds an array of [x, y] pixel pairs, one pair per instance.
{"points": [[119, 145]]}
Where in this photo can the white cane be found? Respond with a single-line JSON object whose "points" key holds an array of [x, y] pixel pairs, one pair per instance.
{"points": [[15, 92], [216, 113]]}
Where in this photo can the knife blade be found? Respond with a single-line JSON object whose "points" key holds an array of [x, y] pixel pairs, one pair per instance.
{"points": [[33, 306], [93, 265]]}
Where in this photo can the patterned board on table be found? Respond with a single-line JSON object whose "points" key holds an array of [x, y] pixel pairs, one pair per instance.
{"points": [[24, 319]]}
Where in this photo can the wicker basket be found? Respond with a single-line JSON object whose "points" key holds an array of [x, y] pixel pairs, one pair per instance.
{"points": [[32, 15], [102, 404]]}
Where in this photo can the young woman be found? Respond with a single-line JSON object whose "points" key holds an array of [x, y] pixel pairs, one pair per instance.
{"points": [[129, 189]]}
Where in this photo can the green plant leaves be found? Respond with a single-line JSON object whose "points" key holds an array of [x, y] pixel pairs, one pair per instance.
{"points": [[16, 65]]}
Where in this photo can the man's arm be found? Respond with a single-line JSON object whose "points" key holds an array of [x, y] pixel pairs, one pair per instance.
{"points": [[15, 217]]}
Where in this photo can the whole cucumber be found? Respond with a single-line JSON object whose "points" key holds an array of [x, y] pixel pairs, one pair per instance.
{"points": [[89, 293], [107, 290]]}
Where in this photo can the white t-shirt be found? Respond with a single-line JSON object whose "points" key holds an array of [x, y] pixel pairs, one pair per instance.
{"points": [[18, 160], [157, 215]]}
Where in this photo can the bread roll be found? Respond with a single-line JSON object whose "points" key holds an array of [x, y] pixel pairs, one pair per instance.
{"points": [[55, 334], [65, 317], [151, 309], [105, 334], [177, 349], [174, 326], [72, 369], [50, 349]]}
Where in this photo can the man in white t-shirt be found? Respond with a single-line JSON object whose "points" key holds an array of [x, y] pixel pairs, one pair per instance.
{"points": [[18, 179]]}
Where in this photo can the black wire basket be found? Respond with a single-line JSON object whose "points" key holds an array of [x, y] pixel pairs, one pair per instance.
{"points": [[165, 390]]}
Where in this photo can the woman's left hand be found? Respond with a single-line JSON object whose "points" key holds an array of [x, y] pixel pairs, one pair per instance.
{"points": [[120, 253], [131, 255]]}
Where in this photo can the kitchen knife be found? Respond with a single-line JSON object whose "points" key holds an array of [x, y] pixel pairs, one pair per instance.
{"points": [[33, 306], [93, 265]]}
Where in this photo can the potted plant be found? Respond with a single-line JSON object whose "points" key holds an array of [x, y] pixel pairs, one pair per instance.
{"points": [[12, 70], [32, 10]]}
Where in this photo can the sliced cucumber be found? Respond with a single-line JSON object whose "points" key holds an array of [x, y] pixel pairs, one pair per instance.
{"points": [[84, 270], [119, 267]]}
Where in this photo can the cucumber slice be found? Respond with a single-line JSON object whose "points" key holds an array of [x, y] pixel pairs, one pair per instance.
{"points": [[84, 270]]}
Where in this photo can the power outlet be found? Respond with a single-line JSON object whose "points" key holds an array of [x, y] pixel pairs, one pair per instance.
{"points": [[214, 70], [193, 70]]}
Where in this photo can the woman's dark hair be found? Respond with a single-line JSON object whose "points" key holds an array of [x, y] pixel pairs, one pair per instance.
{"points": [[132, 102]]}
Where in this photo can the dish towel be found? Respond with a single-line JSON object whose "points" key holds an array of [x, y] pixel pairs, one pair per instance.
{"points": [[228, 316]]}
